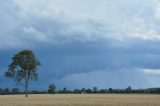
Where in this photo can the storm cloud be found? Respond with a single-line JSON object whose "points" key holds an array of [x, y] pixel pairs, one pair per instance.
{"points": [[102, 39]]}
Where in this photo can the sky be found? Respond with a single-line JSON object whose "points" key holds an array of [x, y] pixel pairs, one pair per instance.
{"points": [[85, 43]]}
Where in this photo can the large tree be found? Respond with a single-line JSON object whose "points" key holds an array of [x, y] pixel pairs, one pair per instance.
{"points": [[23, 68]]}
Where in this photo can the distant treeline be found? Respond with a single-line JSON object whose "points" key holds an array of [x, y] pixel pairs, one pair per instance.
{"points": [[128, 90]]}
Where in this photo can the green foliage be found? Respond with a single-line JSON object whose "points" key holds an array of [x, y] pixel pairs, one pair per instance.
{"points": [[129, 89], [83, 90], [51, 89], [23, 68], [15, 91], [64, 90], [89, 91], [77, 91], [95, 89], [6, 90]]}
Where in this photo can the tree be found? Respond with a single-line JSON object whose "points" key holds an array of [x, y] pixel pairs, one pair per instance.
{"points": [[64, 90], [95, 89], [15, 91], [6, 91], [83, 90], [89, 90], [1, 91], [129, 89], [51, 89], [77, 91], [23, 68], [110, 90]]}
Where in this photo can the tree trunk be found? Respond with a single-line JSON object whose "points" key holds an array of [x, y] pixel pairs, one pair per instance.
{"points": [[26, 90]]}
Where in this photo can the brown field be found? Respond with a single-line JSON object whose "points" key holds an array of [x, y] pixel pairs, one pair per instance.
{"points": [[81, 100]]}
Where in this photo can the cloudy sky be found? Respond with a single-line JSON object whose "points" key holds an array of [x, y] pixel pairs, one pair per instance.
{"points": [[84, 43]]}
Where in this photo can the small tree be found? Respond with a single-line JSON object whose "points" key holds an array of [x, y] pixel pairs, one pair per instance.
{"points": [[23, 68], [51, 89], [6, 91], [77, 91], [83, 90], [1, 91], [95, 89], [89, 90], [64, 90], [110, 90], [129, 89], [15, 91]]}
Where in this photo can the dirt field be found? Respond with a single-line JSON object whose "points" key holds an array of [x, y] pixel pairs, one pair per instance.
{"points": [[81, 100]]}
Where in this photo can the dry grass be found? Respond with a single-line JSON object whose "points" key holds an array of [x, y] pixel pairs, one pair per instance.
{"points": [[81, 100]]}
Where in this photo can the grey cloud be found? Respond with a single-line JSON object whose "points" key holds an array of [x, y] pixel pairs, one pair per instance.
{"points": [[104, 79], [35, 23], [68, 45]]}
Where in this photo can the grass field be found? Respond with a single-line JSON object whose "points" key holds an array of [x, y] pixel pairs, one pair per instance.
{"points": [[81, 100]]}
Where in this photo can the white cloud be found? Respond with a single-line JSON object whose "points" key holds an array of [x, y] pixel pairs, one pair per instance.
{"points": [[157, 10], [41, 8], [152, 76], [32, 33], [151, 71], [140, 28]]}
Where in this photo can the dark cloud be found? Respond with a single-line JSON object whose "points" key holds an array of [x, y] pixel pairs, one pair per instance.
{"points": [[72, 46]]}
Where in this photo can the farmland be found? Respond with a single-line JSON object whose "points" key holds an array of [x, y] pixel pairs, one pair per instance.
{"points": [[81, 100]]}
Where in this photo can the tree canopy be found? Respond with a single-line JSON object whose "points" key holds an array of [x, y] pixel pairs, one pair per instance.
{"points": [[51, 89]]}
